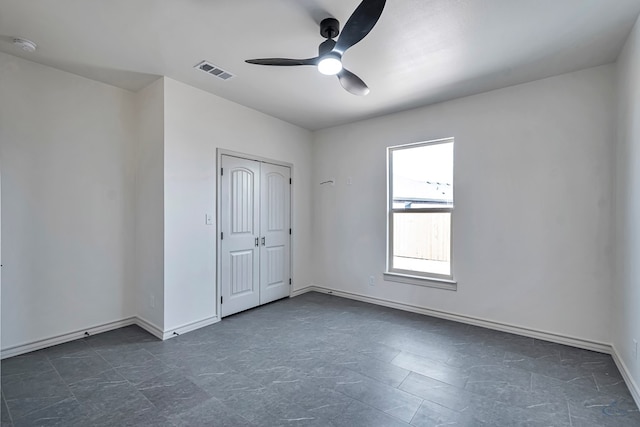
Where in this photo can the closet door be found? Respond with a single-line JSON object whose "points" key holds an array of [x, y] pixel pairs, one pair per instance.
{"points": [[275, 223], [240, 250]]}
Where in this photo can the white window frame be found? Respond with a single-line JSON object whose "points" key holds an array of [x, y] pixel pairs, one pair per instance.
{"points": [[411, 276]]}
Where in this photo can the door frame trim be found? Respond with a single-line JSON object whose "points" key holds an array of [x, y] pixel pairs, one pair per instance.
{"points": [[219, 153]]}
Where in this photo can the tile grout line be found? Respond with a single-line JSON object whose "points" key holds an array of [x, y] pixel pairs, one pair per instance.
{"points": [[416, 413], [378, 409], [43, 408], [4, 400], [382, 382], [595, 380], [63, 382], [111, 367], [171, 368]]}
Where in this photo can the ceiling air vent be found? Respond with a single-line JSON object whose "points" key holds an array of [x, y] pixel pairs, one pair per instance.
{"points": [[214, 70]]}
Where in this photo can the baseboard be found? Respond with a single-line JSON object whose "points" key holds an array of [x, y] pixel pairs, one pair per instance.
{"points": [[628, 379], [302, 291], [81, 333], [17, 350], [188, 327], [163, 335], [489, 324], [149, 327], [547, 336]]}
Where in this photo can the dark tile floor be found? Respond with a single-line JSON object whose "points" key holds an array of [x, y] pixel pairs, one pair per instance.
{"points": [[316, 360]]}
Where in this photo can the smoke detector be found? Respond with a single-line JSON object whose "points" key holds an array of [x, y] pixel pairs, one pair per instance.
{"points": [[24, 44]]}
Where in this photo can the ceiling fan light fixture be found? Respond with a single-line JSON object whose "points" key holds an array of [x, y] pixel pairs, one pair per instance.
{"points": [[330, 65]]}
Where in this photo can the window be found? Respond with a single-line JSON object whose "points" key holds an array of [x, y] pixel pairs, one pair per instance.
{"points": [[419, 213]]}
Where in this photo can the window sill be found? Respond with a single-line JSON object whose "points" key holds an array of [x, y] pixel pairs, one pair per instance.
{"points": [[430, 282]]}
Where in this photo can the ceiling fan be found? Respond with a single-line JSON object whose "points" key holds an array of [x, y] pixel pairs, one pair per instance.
{"points": [[329, 59]]}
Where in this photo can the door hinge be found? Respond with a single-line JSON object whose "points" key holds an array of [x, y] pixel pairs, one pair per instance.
{"points": [[290, 181], [221, 236], [289, 231], [289, 281], [221, 300], [221, 171]]}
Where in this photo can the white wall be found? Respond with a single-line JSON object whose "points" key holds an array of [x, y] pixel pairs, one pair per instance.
{"points": [[533, 195], [626, 302], [196, 123], [104, 196], [0, 250], [149, 208], [533, 215], [67, 157]]}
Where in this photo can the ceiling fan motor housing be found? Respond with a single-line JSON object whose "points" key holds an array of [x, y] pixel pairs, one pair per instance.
{"points": [[329, 28]]}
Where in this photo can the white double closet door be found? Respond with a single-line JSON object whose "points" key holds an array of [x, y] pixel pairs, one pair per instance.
{"points": [[255, 241]]}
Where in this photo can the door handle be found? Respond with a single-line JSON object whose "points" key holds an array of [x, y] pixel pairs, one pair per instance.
{"points": [[263, 241], [256, 242]]}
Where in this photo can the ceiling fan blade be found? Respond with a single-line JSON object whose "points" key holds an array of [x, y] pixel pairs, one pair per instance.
{"points": [[352, 83], [360, 23], [283, 62]]}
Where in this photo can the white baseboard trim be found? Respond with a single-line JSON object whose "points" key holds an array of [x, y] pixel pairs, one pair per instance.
{"points": [[163, 335], [302, 291], [81, 333], [150, 327], [19, 349], [489, 324], [628, 379], [547, 336], [188, 327]]}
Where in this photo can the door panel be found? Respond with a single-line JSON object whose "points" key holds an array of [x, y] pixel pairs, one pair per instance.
{"points": [[240, 268], [242, 212], [241, 275], [275, 265], [275, 222]]}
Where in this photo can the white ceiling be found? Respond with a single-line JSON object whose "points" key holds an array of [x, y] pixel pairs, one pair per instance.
{"points": [[420, 52]]}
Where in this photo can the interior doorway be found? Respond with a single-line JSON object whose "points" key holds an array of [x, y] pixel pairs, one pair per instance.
{"points": [[254, 240]]}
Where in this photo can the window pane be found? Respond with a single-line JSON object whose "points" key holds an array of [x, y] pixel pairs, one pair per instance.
{"points": [[421, 242], [423, 176]]}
